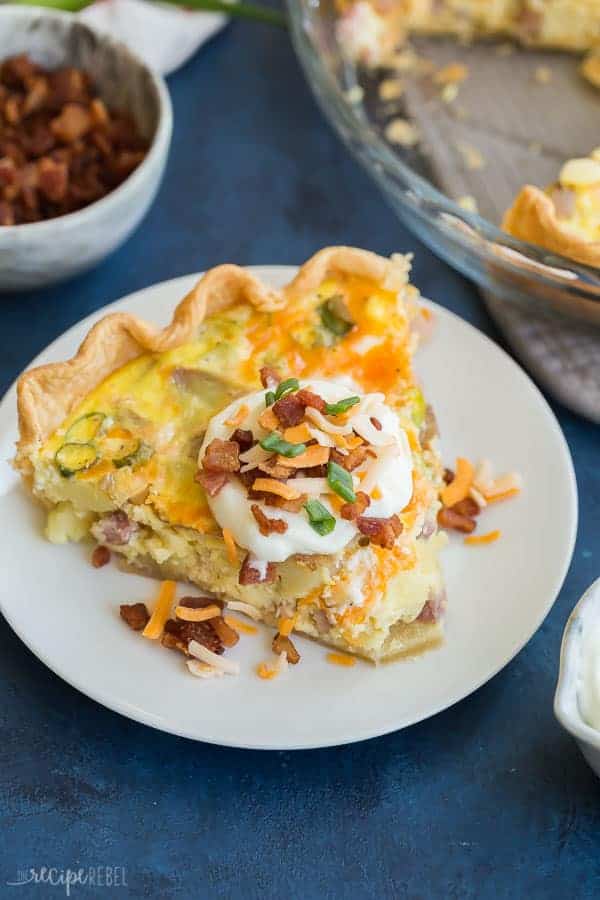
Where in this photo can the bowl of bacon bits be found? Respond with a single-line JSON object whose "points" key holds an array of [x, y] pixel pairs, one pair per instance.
{"points": [[85, 129]]}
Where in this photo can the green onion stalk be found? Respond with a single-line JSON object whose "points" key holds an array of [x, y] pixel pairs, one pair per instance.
{"points": [[240, 10]]}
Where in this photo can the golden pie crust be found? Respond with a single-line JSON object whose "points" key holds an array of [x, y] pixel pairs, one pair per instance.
{"points": [[47, 394], [532, 218]]}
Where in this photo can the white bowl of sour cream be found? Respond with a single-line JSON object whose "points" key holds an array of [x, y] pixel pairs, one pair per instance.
{"points": [[577, 698]]}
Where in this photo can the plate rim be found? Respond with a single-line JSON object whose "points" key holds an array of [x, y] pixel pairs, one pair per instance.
{"points": [[114, 704]]}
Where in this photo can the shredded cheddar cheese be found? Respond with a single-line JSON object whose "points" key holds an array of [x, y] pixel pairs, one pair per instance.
{"points": [[489, 538], [503, 495], [286, 625], [376, 494], [339, 659], [313, 456], [161, 612], [238, 625], [230, 546], [298, 434], [265, 672], [459, 487], [272, 486], [187, 614], [268, 420], [239, 417]]}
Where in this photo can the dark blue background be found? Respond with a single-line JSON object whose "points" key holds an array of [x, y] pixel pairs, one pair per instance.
{"points": [[489, 799]]}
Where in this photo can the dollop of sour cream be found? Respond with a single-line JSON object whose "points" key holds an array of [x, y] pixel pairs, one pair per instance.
{"points": [[390, 473], [589, 673]]}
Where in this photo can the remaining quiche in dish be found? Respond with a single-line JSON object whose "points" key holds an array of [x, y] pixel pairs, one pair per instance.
{"points": [[564, 218], [369, 30], [269, 446]]}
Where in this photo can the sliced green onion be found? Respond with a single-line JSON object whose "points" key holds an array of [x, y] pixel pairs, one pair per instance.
{"points": [[319, 517], [335, 316], [342, 406], [269, 398], [340, 481], [274, 442], [85, 428], [286, 387]]}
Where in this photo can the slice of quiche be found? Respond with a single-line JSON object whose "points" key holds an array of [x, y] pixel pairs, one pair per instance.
{"points": [[565, 217], [271, 447], [370, 30]]}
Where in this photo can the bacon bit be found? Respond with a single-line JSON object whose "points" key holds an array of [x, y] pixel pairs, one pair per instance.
{"points": [[199, 602], [458, 488], [100, 557], [178, 636], [268, 420], [298, 434], [267, 526], [434, 607], [382, 532], [269, 377], [243, 438], [287, 505], [308, 398], [448, 476], [376, 494], [160, 613], [251, 575], [467, 507], [240, 626], [212, 482], [240, 416], [188, 614], [221, 456], [272, 486], [338, 659], [504, 495], [135, 614], [376, 423], [488, 538], [274, 470], [282, 644], [286, 625], [312, 456], [289, 410], [354, 510], [230, 547], [448, 518], [351, 460], [226, 634]]}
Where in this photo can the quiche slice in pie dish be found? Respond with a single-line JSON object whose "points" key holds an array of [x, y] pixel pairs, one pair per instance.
{"points": [[564, 218], [271, 447], [370, 30]]}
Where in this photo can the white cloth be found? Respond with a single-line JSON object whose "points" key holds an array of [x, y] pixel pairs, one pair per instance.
{"points": [[164, 36]]}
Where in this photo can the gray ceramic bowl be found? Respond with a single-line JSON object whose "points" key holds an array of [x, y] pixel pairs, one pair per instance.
{"points": [[46, 252]]}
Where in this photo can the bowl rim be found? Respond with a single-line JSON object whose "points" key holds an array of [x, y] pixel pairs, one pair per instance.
{"points": [[158, 146], [476, 244], [566, 705]]}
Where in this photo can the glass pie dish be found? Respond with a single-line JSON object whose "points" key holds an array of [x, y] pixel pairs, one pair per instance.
{"points": [[409, 174]]}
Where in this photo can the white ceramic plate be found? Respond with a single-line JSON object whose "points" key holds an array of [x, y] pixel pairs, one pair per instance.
{"points": [[67, 612]]}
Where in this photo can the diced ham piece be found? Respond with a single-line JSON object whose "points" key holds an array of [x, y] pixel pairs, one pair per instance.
{"points": [[221, 456], [434, 608], [117, 528], [53, 179], [380, 531]]}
